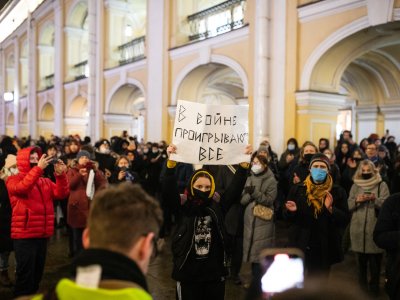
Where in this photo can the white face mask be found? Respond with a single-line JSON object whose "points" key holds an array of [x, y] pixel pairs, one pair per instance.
{"points": [[257, 169], [291, 147], [104, 150]]}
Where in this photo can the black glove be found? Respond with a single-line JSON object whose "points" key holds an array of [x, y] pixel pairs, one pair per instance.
{"points": [[249, 189]]}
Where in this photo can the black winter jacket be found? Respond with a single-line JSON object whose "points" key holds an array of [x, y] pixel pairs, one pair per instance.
{"points": [[387, 236], [183, 239], [326, 231]]}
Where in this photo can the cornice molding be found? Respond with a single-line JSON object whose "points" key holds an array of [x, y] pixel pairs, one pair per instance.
{"points": [[214, 42], [390, 111], [309, 98], [327, 8], [110, 118], [135, 66], [76, 121]]}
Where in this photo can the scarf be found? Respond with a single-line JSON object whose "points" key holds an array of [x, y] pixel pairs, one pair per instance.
{"points": [[368, 184], [316, 193]]}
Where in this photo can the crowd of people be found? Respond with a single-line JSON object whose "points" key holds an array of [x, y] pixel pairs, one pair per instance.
{"points": [[331, 199]]}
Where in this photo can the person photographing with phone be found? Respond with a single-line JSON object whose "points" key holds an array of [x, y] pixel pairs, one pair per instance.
{"points": [[123, 172], [84, 180], [31, 198], [365, 200], [319, 213]]}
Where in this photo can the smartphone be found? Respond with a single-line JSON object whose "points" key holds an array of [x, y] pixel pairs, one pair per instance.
{"points": [[54, 160], [282, 269]]}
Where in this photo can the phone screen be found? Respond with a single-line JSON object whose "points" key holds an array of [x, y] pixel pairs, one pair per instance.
{"points": [[281, 271]]}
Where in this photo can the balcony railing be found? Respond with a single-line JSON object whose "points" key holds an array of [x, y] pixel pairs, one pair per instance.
{"points": [[81, 70], [216, 20], [49, 81], [132, 51]]}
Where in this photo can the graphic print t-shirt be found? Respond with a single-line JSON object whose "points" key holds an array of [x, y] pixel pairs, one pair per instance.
{"points": [[202, 237], [206, 258]]}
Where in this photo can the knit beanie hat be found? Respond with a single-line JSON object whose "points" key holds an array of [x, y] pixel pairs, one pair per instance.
{"points": [[82, 153], [262, 148], [320, 157]]}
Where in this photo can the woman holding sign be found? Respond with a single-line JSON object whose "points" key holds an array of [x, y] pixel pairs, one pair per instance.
{"points": [[199, 245]]}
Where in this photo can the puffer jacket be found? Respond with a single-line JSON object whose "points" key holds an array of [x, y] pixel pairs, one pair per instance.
{"points": [[31, 198], [258, 234], [364, 218]]}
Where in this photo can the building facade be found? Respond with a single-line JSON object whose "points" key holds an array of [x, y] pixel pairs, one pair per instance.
{"points": [[307, 69]]}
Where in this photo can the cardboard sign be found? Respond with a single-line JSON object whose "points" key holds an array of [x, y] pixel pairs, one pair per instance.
{"points": [[210, 134]]}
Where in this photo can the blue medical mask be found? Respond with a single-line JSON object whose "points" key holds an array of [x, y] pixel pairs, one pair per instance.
{"points": [[319, 175]]}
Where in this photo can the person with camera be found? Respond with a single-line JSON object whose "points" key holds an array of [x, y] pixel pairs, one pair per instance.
{"points": [[84, 180], [123, 172], [365, 200], [32, 221], [319, 213]]}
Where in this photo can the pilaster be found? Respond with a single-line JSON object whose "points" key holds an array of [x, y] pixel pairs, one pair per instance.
{"points": [[58, 69], [156, 78], [261, 105], [32, 78], [16, 86]]}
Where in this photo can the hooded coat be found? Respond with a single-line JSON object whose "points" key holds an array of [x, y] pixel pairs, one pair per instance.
{"points": [[31, 198], [258, 234], [187, 240]]}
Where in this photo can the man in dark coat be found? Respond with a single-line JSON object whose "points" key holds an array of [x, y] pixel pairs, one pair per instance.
{"points": [[387, 236], [319, 212], [8, 167]]}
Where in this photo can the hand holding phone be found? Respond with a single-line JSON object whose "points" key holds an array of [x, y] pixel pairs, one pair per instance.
{"points": [[282, 269]]}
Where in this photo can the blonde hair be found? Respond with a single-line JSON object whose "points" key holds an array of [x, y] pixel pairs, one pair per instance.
{"points": [[365, 162]]}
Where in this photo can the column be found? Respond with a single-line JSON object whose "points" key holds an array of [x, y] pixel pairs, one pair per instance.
{"points": [[16, 86], [261, 70], [95, 83], [2, 90], [32, 78], [58, 69], [155, 45], [367, 121], [276, 116]]}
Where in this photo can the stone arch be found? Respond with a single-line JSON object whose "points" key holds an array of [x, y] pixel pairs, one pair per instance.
{"points": [[77, 14], [359, 63], [47, 112], [217, 59], [24, 116], [125, 110], [78, 108], [118, 85], [10, 118]]}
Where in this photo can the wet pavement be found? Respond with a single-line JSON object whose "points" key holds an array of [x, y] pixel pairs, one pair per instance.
{"points": [[159, 279]]}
